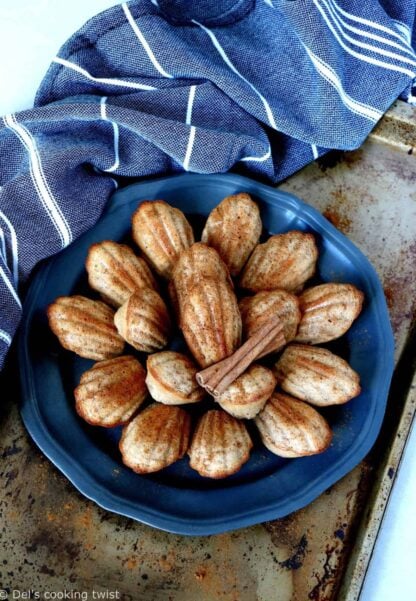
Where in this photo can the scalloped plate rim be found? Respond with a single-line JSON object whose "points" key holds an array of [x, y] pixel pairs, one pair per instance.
{"points": [[92, 489]]}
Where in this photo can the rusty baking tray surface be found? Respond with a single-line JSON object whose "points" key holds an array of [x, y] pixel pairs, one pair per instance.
{"points": [[177, 499]]}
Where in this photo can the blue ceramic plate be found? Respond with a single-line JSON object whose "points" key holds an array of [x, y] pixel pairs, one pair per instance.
{"points": [[177, 499]]}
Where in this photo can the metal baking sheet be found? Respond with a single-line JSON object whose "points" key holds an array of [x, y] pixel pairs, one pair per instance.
{"points": [[53, 539]]}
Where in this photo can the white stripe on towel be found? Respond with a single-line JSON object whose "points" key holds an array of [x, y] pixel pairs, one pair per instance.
{"points": [[360, 56], [144, 43], [116, 135], [192, 131], [103, 80], [332, 78], [237, 72], [39, 180], [259, 159], [9, 285], [15, 259], [5, 336]]}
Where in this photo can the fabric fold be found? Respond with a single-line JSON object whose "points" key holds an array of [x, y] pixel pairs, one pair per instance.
{"points": [[262, 88]]}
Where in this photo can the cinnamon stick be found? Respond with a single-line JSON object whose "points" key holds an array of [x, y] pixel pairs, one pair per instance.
{"points": [[218, 377], [275, 346]]}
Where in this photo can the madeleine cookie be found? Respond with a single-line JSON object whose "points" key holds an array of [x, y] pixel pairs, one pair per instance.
{"points": [[85, 327], [291, 428], [143, 321], [116, 272], [211, 321], [259, 309], [171, 379], [220, 445], [328, 311], [111, 391], [233, 228], [194, 265], [316, 375], [285, 261], [156, 438], [162, 232], [248, 394]]}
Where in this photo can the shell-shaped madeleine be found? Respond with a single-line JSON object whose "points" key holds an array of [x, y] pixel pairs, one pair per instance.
{"points": [[116, 272], [162, 232], [291, 428], [258, 309], [285, 261], [233, 228], [111, 391], [211, 321], [156, 438], [316, 375], [85, 327], [198, 262], [248, 394], [171, 379], [143, 321], [220, 445], [328, 311]]}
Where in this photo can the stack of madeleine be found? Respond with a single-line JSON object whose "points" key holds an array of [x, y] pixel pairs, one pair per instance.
{"points": [[223, 293]]}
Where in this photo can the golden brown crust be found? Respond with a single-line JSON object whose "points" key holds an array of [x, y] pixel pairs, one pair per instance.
{"points": [[248, 394], [201, 261], [155, 438], [328, 311], [316, 375], [171, 379], [143, 321], [116, 272], [85, 327], [220, 445], [285, 261], [211, 321], [194, 265], [163, 233], [111, 391], [291, 428], [259, 309], [233, 228]]}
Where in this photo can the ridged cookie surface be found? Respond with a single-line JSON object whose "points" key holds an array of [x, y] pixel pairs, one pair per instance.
{"points": [[195, 264], [258, 309], [291, 428], [111, 391], [211, 321], [248, 394], [220, 445], [328, 311], [162, 232], [171, 378], [143, 321], [233, 228], [156, 438], [285, 261], [316, 375], [85, 327], [116, 272]]}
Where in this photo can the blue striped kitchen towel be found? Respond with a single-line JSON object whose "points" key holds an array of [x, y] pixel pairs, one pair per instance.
{"points": [[152, 87]]}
